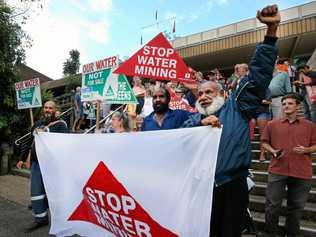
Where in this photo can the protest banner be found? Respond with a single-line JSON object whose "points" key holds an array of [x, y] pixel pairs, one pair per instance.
{"points": [[28, 93], [117, 189], [157, 60], [177, 102], [98, 83]]}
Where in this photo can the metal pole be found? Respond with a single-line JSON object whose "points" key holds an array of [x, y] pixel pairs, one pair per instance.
{"points": [[97, 119], [31, 116], [105, 118], [26, 135]]}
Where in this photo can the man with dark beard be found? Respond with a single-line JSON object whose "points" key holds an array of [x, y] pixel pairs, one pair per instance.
{"points": [[230, 194], [48, 123], [165, 118]]}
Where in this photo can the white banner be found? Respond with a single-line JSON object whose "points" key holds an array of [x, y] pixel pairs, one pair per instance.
{"points": [[144, 184]]}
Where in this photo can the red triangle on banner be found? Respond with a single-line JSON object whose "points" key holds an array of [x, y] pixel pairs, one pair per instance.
{"points": [[157, 60], [176, 102], [106, 203]]}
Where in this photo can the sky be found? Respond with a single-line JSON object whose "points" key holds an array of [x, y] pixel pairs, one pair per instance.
{"points": [[103, 28]]}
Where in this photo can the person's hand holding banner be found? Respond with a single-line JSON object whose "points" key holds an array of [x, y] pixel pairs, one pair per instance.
{"points": [[211, 120]]}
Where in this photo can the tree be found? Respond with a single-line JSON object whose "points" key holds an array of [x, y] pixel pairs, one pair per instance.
{"points": [[12, 52], [71, 66], [72, 82]]}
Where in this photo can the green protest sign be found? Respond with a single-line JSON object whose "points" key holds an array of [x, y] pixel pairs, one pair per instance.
{"points": [[99, 83], [28, 94], [118, 90]]}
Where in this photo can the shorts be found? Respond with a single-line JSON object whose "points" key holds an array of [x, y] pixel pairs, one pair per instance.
{"points": [[264, 116], [79, 114]]}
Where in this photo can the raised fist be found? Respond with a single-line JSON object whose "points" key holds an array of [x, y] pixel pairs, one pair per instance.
{"points": [[269, 15]]}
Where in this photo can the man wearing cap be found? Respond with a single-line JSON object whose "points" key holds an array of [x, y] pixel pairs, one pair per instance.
{"points": [[290, 140]]}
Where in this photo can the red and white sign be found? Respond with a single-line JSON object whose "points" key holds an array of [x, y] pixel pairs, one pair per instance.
{"points": [[177, 102], [104, 185], [110, 62], [157, 60], [108, 204], [27, 84]]}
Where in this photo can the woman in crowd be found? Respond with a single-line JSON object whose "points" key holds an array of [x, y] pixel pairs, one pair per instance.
{"points": [[139, 92], [120, 122]]}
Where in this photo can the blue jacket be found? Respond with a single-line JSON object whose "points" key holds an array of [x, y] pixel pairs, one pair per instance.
{"points": [[173, 119], [234, 154]]}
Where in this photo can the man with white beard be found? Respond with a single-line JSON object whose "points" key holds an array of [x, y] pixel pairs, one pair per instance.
{"points": [[230, 194], [209, 100]]}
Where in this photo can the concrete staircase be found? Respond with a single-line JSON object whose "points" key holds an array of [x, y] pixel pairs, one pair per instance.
{"points": [[257, 195]]}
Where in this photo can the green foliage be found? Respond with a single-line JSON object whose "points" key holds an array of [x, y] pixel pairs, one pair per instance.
{"points": [[46, 95], [72, 82], [12, 40], [71, 66]]}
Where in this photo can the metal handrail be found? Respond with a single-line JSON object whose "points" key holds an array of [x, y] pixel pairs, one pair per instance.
{"points": [[102, 120], [16, 142]]}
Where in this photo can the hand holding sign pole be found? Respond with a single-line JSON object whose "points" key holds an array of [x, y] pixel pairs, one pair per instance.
{"points": [[31, 117], [28, 95], [157, 60]]}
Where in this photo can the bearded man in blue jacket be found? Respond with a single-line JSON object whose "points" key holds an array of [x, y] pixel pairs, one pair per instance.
{"points": [[230, 195]]}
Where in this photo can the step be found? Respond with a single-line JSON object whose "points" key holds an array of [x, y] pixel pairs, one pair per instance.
{"points": [[255, 145], [22, 172], [257, 203], [260, 190], [257, 165], [308, 229], [262, 176], [255, 153]]}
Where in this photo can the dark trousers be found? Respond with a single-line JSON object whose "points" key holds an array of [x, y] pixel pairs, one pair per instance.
{"points": [[297, 194], [230, 202], [38, 195]]}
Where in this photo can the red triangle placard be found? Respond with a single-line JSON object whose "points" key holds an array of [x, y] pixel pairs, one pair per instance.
{"points": [[157, 60], [177, 103], [106, 203]]}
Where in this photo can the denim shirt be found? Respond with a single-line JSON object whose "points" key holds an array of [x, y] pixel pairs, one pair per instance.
{"points": [[172, 119]]}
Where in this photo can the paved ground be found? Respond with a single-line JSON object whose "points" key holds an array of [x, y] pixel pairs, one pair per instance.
{"points": [[14, 215]]}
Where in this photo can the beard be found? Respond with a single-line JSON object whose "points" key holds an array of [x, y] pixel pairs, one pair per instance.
{"points": [[48, 118], [217, 103], [160, 108]]}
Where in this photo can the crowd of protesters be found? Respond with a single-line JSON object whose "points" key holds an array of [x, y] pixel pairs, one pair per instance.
{"points": [[267, 92]]}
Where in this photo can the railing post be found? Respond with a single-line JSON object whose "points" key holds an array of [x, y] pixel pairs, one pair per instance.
{"points": [[5, 158]]}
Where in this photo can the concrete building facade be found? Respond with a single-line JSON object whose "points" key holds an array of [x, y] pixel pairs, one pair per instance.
{"points": [[227, 45]]}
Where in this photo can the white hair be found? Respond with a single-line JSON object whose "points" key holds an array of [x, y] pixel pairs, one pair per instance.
{"points": [[217, 103]]}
